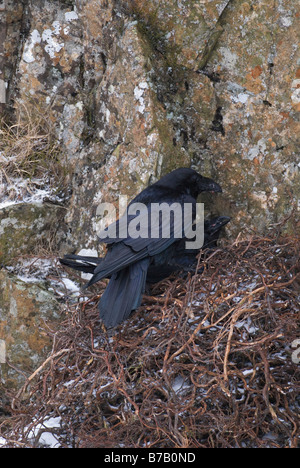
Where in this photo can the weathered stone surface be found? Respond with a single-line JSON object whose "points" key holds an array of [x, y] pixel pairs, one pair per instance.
{"points": [[257, 155], [2, 352], [134, 133], [135, 89], [50, 69], [25, 312], [185, 32], [26, 228]]}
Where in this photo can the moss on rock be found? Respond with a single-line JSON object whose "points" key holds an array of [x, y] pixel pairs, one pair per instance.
{"points": [[25, 312], [25, 228]]}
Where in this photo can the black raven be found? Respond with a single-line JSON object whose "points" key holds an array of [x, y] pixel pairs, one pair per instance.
{"points": [[179, 259], [185, 260], [128, 257]]}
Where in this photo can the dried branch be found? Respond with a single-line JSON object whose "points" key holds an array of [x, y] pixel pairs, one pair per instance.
{"points": [[204, 362]]}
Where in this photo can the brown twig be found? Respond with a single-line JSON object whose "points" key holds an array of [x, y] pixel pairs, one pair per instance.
{"points": [[220, 376]]}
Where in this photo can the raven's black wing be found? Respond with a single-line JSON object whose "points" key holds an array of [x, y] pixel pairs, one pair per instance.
{"points": [[181, 259], [127, 250], [123, 293]]}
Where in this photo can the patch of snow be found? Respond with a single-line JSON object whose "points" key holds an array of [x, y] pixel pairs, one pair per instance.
{"points": [[143, 85], [138, 93], [38, 270], [23, 191], [70, 285], [286, 21], [57, 27], [248, 325], [49, 439], [2, 442], [180, 384], [27, 279], [69, 383], [6, 204], [46, 437]]}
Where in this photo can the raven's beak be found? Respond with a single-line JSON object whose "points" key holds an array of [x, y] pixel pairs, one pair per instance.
{"points": [[223, 220], [219, 222], [209, 185]]}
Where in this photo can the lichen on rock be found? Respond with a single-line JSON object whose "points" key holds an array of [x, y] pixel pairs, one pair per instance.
{"points": [[134, 89], [128, 91], [25, 312], [27, 228]]}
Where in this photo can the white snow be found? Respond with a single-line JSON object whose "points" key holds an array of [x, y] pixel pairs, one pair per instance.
{"points": [[20, 190], [41, 434], [180, 384], [143, 85], [70, 286], [46, 437], [2, 442], [37, 270], [49, 439]]}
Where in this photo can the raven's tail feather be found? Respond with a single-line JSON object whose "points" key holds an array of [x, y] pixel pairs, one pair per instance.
{"points": [[123, 293], [80, 263]]}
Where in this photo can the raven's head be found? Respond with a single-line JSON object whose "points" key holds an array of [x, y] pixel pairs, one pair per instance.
{"points": [[205, 184], [187, 180], [199, 183]]}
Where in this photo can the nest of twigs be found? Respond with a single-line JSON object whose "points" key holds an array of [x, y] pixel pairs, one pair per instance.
{"points": [[207, 361]]}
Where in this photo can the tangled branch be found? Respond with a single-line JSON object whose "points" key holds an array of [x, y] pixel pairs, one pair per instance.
{"points": [[205, 361]]}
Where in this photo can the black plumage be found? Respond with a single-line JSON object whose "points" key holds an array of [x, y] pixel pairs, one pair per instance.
{"points": [[128, 258]]}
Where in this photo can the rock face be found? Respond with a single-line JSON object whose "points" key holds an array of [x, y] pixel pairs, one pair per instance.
{"points": [[25, 309], [136, 88], [133, 89], [26, 228]]}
